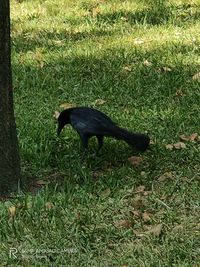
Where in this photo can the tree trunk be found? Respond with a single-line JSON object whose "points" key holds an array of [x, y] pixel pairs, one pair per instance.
{"points": [[9, 152]]}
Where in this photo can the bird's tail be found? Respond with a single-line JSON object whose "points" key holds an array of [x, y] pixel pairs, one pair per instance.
{"points": [[139, 141]]}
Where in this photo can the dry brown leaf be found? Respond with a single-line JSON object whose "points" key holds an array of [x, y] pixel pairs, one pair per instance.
{"points": [[184, 137], [138, 41], [155, 230], [67, 105], [192, 137], [12, 211], [178, 228], [146, 217], [165, 176], [96, 174], [105, 193], [126, 110], [152, 142], [167, 69], [124, 18], [147, 63], [49, 205], [179, 145], [179, 93], [169, 147], [41, 182], [124, 223], [196, 77], [96, 11], [136, 213], [39, 57], [99, 102], [140, 189], [138, 203], [127, 68], [146, 193], [135, 160], [56, 114]]}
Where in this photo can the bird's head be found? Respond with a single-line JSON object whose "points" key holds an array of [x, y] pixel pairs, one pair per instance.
{"points": [[63, 119]]}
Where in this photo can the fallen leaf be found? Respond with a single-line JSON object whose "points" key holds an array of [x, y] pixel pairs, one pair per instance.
{"points": [[138, 203], [124, 18], [49, 205], [12, 211], [196, 77], [56, 114], [184, 179], [127, 110], [99, 102], [165, 176], [146, 217], [124, 223], [138, 42], [96, 174], [140, 189], [152, 142], [179, 145], [146, 193], [139, 234], [184, 137], [39, 57], [135, 160], [127, 68], [166, 69], [178, 229], [169, 147], [41, 182], [136, 213], [192, 137], [155, 230], [105, 193], [147, 63], [67, 105], [96, 11], [179, 93]]}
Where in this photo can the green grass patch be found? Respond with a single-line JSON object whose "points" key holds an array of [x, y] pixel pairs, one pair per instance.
{"points": [[140, 57]]}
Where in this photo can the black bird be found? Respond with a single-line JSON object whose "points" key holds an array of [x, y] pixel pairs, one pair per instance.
{"points": [[90, 122]]}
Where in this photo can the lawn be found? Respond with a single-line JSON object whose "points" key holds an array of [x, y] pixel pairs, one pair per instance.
{"points": [[139, 62]]}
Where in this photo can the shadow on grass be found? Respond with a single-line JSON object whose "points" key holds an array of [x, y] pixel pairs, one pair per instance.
{"points": [[50, 40], [81, 80], [84, 78], [155, 12]]}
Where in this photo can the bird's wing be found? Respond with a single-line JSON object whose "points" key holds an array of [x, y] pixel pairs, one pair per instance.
{"points": [[90, 123]]}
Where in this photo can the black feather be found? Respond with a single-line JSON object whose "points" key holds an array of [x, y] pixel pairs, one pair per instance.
{"points": [[90, 122]]}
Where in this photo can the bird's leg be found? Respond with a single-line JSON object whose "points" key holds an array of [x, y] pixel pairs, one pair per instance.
{"points": [[84, 139], [100, 143]]}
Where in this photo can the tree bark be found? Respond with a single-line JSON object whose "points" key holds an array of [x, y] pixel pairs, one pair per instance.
{"points": [[9, 152]]}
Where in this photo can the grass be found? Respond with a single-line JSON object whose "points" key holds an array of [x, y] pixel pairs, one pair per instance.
{"points": [[138, 56]]}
